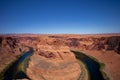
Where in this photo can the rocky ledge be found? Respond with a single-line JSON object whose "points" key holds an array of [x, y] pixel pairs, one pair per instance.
{"points": [[51, 63]]}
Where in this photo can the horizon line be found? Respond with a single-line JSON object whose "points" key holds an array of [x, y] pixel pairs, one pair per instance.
{"points": [[56, 33]]}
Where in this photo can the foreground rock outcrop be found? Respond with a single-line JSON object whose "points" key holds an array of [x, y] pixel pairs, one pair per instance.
{"points": [[53, 64]]}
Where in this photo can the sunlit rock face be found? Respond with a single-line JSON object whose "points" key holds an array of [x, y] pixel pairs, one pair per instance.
{"points": [[51, 63], [9, 49]]}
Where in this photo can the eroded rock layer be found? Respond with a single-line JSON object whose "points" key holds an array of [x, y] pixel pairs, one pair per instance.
{"points": [[53, 64], [52, 59]]}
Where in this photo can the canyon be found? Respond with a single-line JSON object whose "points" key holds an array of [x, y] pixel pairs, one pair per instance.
{"points": [[53, 59]]}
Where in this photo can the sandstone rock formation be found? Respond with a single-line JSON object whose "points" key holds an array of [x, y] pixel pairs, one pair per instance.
{"points": [[9, 49], [53, 64], [52, 59]]}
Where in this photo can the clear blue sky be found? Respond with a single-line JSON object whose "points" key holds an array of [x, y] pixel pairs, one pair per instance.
{"points": [[60, 16]]}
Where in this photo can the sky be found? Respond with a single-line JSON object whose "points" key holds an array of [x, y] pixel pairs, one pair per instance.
{"points": [[60, 16]]}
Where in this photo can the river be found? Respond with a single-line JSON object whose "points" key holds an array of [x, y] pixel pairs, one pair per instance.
{"points": [[93, 67], [18, 68]]}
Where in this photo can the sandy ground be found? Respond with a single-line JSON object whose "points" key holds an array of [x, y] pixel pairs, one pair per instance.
{"points": [[111, 61]]}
